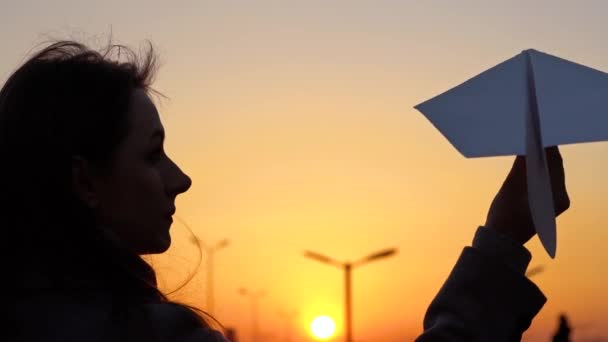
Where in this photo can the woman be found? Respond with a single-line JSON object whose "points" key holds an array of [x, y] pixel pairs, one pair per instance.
{"points": [[86, 189]]}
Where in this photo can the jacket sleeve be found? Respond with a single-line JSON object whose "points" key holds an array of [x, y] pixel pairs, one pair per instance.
{"points": [[484, 298]]}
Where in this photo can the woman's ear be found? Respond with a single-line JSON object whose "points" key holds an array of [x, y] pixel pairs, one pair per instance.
{"points": [[83, 182]]}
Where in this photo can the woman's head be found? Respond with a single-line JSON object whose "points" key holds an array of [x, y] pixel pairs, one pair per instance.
{"points": [[135, 197], [82, 153]]}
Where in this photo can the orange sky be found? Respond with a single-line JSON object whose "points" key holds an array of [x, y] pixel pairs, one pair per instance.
{"points": [[295, 121]]}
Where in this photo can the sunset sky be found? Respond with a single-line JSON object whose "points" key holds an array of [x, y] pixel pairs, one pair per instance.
{"points": [[295, 121]]}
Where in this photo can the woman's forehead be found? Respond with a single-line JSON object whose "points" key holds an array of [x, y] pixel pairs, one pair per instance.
{"points": [[144, 117]]}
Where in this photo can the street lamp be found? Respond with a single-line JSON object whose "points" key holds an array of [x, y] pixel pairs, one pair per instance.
{"points": [[535, 270], [288, 323], [209, 252], [253, 297], [347, 267]]}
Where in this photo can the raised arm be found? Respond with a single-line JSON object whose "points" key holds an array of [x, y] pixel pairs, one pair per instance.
{"points": [[487, 296]]}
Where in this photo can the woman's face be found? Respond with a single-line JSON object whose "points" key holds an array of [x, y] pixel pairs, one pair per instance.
{"points": [[136, 198]]}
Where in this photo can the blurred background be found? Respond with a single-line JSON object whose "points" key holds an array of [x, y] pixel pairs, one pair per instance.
{"points": [[295, 121]]}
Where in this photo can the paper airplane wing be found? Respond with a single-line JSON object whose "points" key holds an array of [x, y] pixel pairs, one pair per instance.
{"points": [[572, 100], [484, 116]]}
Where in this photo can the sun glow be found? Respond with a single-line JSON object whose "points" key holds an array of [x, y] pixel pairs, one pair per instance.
{"points": [[323, 327]]}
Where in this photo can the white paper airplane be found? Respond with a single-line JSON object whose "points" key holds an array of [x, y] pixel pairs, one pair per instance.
{"points": [[524, 104]]}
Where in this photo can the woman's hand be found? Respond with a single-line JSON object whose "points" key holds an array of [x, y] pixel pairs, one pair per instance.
{"points": [[510, 214]]}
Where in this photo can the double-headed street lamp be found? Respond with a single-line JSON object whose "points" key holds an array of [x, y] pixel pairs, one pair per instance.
{"points": [[253, 297], [347, 267], [288, 323], [209, 251], [535, 270]]}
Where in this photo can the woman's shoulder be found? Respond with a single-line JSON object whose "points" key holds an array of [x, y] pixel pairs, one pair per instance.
{"points": [[174, 322], [57, 316]]}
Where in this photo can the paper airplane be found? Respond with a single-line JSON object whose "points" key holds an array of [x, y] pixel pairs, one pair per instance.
{"points": [[522, 105]]}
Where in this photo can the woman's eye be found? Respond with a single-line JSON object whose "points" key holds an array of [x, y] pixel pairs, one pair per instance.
{"points": [[155, 155]]}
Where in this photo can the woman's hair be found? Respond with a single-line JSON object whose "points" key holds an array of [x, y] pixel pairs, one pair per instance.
{"points": [[65, 101]]}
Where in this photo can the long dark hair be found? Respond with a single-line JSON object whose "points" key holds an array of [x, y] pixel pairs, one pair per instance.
{"points": [[68, 100]]}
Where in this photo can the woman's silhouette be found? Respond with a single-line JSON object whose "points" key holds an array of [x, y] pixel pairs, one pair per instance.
{"points": [[87, 188]]}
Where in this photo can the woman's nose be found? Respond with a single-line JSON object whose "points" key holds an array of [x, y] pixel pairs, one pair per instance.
{"points": [[184, 184], [179, 181]]}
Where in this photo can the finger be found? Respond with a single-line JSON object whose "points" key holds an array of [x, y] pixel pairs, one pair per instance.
{"points": [[555, 164], [558, 180], [517, 175]]}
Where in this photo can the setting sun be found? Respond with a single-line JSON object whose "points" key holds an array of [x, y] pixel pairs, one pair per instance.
{"points": [[323, 327]]}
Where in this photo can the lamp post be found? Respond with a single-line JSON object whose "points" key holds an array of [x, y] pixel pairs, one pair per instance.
{"points": [[253, 297], [535, 270], [288, 323], [209, 251], [348, 267]]}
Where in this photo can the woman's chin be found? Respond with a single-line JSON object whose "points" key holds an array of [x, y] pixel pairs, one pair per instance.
{"points": [[158, 246]]}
